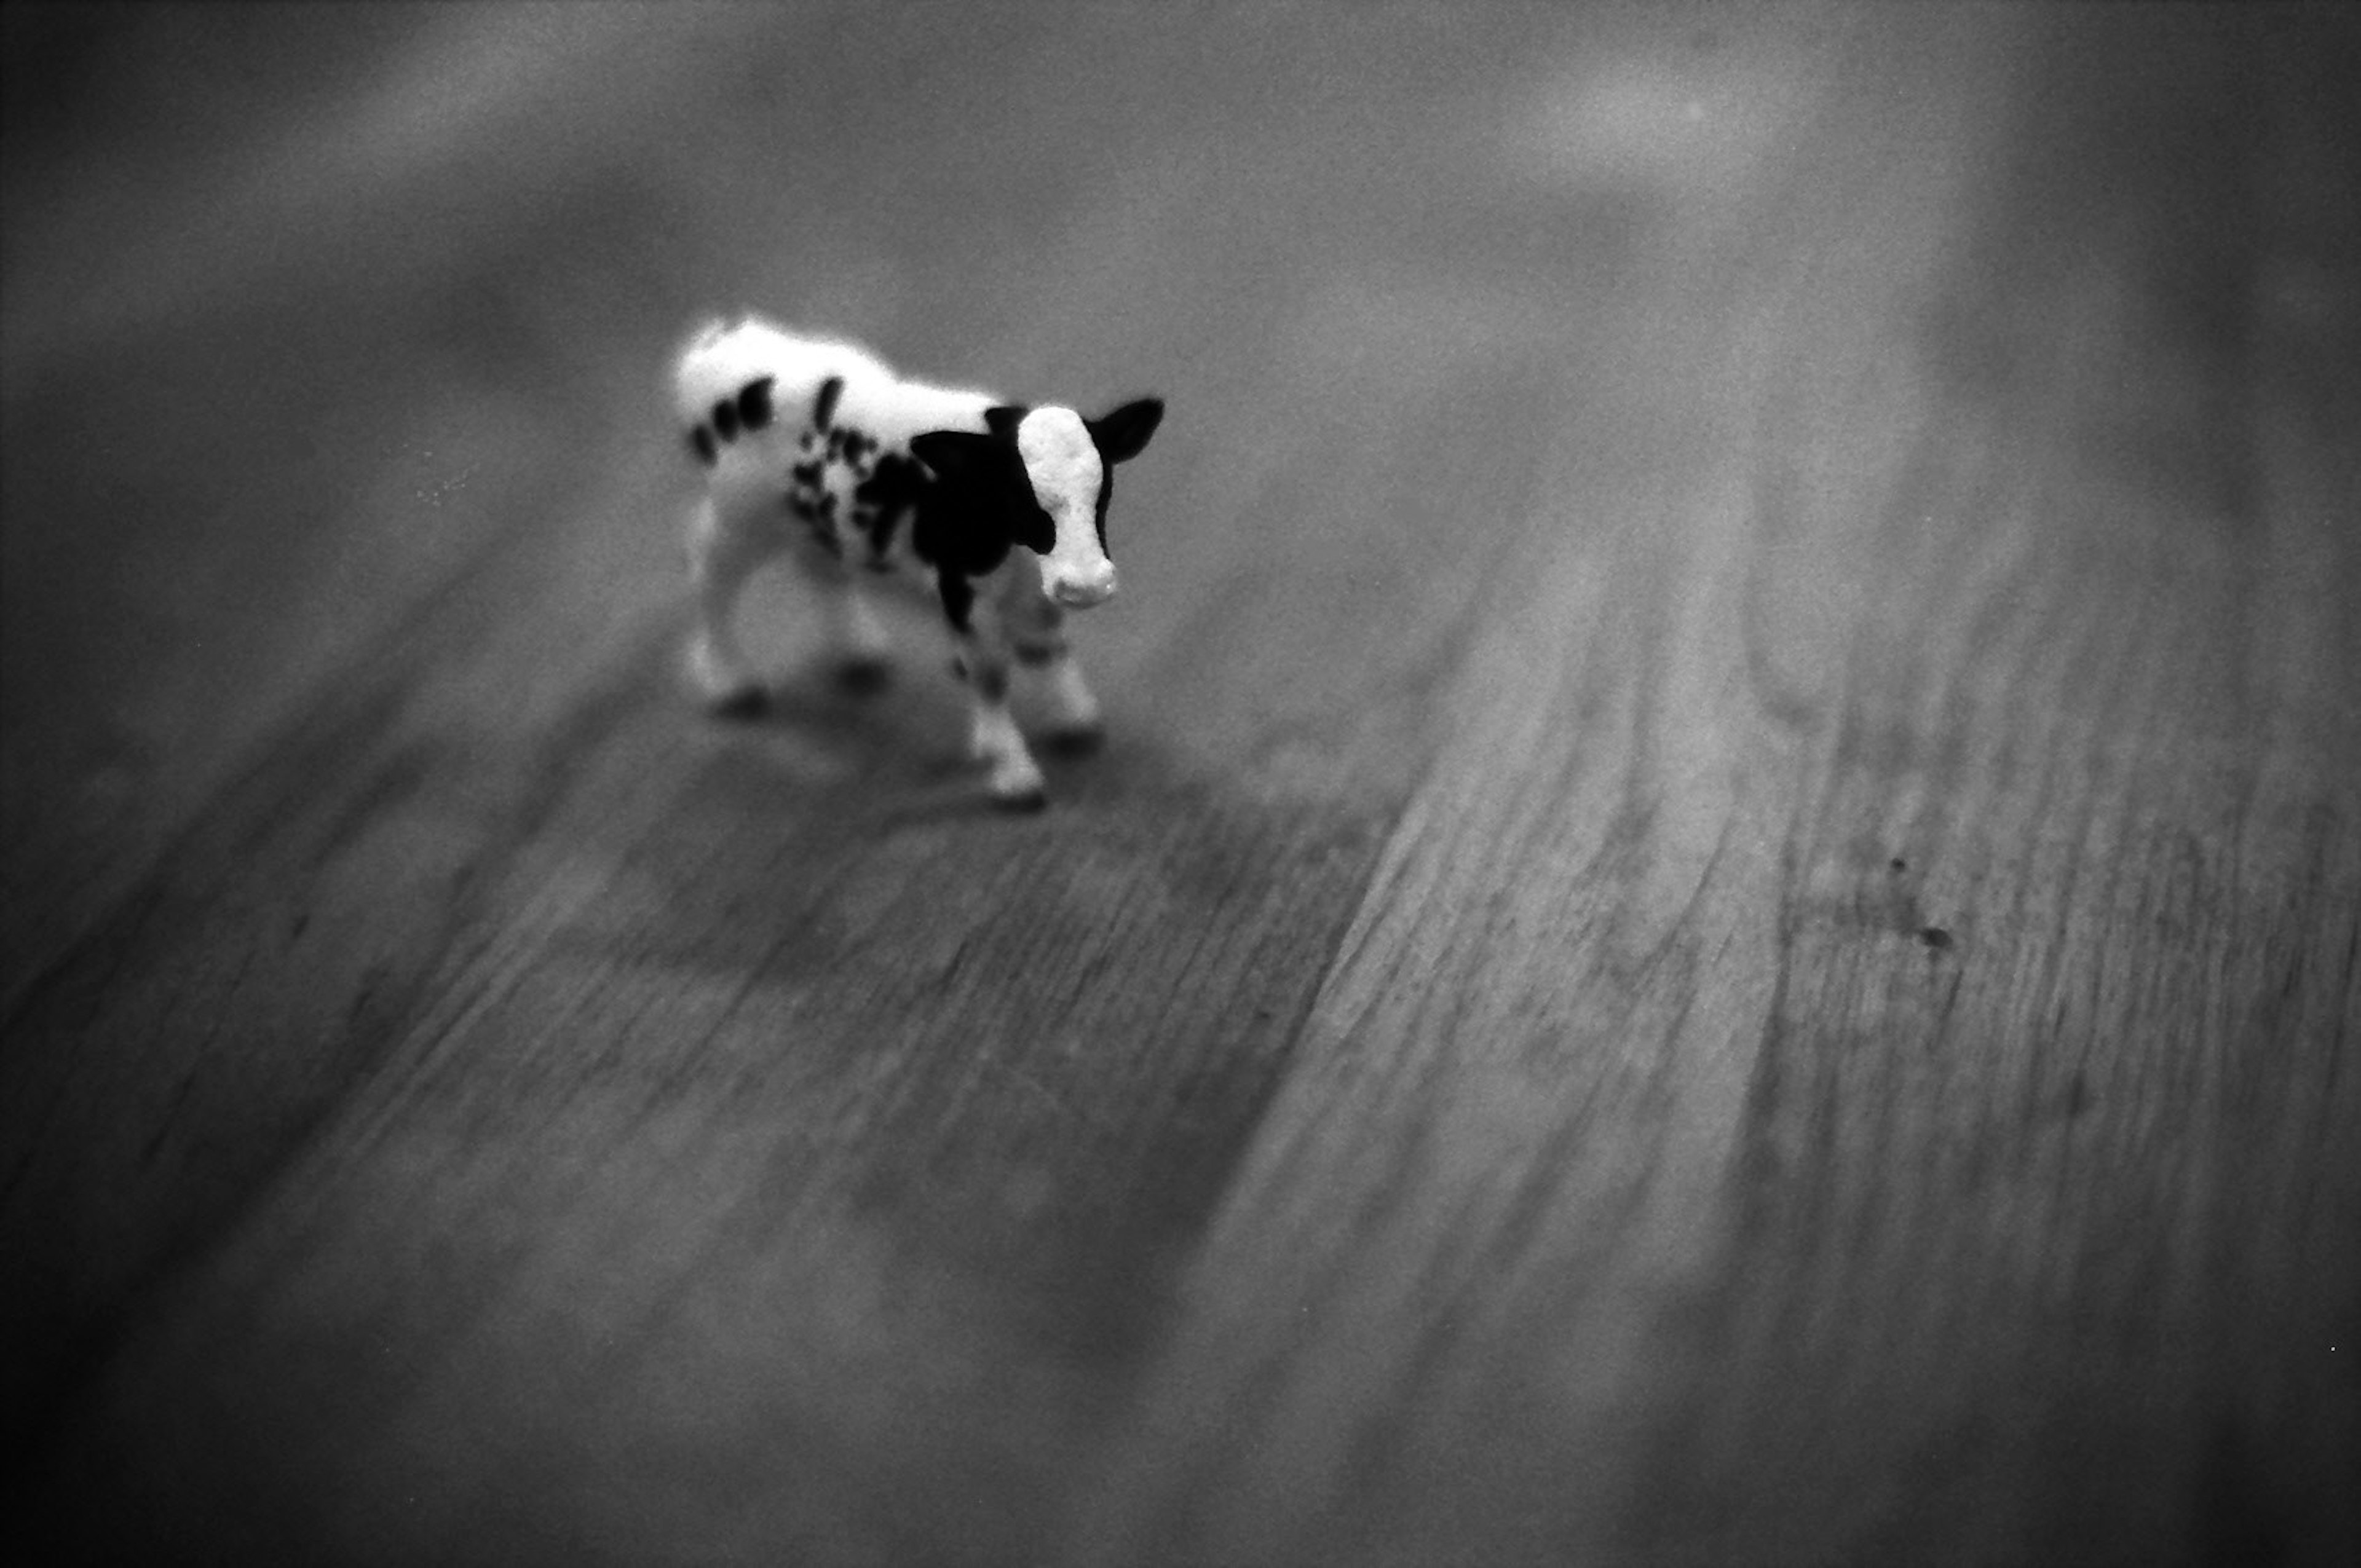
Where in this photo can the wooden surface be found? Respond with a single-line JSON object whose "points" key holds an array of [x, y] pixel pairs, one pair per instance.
{"points": [[1720, 926]]}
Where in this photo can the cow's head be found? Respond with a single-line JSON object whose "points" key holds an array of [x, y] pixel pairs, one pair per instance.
{"points": [[1046, 473]]}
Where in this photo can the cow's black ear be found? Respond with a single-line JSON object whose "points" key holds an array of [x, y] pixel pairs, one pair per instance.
{"points": [[1004, 418], [1122, 433], [952, 454]]}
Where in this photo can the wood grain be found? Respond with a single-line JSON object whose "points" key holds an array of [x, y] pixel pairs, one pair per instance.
{"points": [[1722, 924]]}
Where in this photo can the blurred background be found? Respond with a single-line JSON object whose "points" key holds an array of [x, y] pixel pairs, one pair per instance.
{"points": [[339, 599]]}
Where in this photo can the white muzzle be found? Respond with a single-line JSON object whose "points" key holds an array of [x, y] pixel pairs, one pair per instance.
{"points": [[1081, 588]]}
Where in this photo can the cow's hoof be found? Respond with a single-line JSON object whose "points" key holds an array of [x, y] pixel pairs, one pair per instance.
{"points": [[1074, 740], [1022, 790], [738, 702], [721, 684], [863, 674]]}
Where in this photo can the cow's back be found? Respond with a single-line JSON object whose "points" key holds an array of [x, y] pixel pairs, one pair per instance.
{"points": [[815, 385], [724, 357]]}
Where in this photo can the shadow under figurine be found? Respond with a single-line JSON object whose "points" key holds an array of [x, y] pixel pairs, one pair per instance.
{"points": [[817, 451]]}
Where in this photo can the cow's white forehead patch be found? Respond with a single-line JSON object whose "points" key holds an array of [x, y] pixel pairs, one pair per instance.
{"points": [[1059, 459]]}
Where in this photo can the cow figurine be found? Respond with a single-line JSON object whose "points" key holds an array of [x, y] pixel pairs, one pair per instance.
{"points": [[815, 450]]}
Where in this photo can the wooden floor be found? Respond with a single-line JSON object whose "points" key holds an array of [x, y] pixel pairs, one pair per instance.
{"points": [[1721, 923]]}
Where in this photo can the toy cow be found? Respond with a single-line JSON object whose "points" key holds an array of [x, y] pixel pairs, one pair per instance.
{"points": [[817, 451]]}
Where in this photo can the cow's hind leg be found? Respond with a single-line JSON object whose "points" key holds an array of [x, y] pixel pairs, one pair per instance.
{"points": [[720, 558], [856, 638]]}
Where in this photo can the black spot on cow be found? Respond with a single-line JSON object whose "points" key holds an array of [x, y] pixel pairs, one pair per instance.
{"points": [[896, 481], [806, 475], [958, 596], [725, 418], [877, 527], [824, 403], [816, 509], [887, 493], [852, 447], [981, 502], [978, 506], [858, 447], [1936, 937], [754, 404], [700, 441]]}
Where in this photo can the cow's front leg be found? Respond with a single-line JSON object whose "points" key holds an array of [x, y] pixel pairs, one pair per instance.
{"points": [[722, 556], [1037, 637], [1015, 778], [1074, 721]]}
